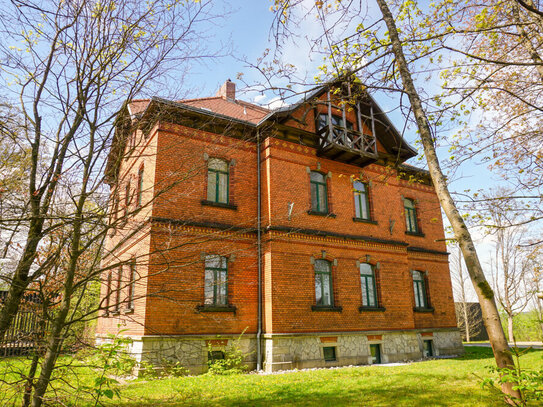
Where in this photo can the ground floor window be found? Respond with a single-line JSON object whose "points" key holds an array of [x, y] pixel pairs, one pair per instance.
{"points": [[427, 348], [214, 355], [375, 351], [329, 353]]}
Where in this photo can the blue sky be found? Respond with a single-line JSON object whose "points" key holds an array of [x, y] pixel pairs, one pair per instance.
{"points": [[248, 26]]}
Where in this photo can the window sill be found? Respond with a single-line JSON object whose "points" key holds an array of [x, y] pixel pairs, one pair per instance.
{"points": [[219, 204], [362, 220], [326, 308], [128, 311], [216, 308], [419, 234], [324, 214], [372, 309], [115, 313], [425, 309]]}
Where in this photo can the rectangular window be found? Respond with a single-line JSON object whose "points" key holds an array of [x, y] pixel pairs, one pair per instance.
{"points": [[410, 216], [361, 200], [369, 289], [375, 351], [131, 286], [329, 353], [419, 289], [216, 280], [323, 283], [118, 289], [427, 348], [218, 181], [214, 355], [337, 121], [319, 192], [140, 187]]}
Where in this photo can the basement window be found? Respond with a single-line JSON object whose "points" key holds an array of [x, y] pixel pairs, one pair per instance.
{"points": [[329, 353], [427, 348], [214, 355], [375, 351]]}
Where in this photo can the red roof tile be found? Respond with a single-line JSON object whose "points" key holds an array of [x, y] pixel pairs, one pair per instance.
{"points": [[236, 109]]}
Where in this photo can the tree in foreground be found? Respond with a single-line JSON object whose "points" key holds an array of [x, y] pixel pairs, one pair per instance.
{"points": [[388, 58], [70, 67]]}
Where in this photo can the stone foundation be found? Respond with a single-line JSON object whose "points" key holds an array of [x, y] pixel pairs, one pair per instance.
{"points": [[297, 351]]}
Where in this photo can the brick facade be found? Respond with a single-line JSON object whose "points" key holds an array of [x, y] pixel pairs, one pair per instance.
{"points": [[172, 227]]}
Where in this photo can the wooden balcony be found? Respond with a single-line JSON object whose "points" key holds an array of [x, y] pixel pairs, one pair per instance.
{"points": [[348, 146]]}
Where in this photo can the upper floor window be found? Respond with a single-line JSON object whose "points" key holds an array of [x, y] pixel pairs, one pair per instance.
{"points": [[369, 288], [323, 283], [410, 215], [217, 181], [216, 280], [419, 288], [361, 200], [337, 121], [319, 192]]}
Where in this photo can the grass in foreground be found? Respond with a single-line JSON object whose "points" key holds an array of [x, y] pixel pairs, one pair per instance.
{"points": [[445, 382]]}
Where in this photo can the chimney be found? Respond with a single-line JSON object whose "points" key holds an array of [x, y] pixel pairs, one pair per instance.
{"points": [[227, 90]]}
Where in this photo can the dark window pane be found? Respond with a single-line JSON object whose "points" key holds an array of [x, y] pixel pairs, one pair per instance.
{"points": [[329, 353], [215, 355], [375, 350], [427, 348]]}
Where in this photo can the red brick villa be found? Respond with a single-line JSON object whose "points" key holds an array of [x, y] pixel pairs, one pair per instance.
{"points": [[301, 228]]}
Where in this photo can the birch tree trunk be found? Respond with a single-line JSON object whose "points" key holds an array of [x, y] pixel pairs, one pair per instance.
{"points": [[484, 293]]}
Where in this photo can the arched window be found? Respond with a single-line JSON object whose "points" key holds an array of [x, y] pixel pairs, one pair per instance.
{"points": [[361, 200], [218, 179], [319, 192], [410, 215], [216, 280], [369, 286], [419, 288], [323, 283]]}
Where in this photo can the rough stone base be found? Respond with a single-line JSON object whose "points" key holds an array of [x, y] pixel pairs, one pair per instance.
{"points": [[283, 351], [306, 351]]}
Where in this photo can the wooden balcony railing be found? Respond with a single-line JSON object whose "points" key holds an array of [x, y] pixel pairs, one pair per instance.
{"points": [[347, 145]]}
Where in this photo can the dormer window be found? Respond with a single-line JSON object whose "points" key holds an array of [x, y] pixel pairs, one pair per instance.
{"points": [[337, 121]]}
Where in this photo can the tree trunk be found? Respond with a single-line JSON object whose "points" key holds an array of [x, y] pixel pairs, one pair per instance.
{"points": [[485, 294], [510, 328]]}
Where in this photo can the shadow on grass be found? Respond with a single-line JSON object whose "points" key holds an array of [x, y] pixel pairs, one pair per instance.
{"points": [[358, 389], [288, 396], [483, 352]]}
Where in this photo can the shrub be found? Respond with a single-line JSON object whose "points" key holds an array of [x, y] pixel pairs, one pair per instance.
{"points": [[232, 363]]}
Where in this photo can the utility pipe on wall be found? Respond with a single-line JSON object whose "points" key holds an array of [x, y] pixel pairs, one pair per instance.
{"points": [[259, 255]]}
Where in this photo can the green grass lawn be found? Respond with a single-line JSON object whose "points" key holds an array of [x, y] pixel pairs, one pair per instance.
{"points": [[445, 382]]}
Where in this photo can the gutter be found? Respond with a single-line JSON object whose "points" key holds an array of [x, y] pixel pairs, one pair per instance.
{"points": [[259, 255]]}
